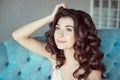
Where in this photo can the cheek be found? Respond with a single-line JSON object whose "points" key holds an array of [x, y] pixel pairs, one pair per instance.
{"points": [[71, 40]]}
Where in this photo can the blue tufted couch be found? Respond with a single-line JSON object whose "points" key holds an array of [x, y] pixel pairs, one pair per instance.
{"points": [[18, 63]]}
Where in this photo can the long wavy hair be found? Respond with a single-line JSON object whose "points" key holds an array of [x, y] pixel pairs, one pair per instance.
{"points": [[87, 52]]}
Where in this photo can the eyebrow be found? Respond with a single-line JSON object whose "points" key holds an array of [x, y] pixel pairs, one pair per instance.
{"points": [[66, 25]]}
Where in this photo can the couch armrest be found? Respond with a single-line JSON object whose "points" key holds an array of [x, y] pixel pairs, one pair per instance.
{"points": [[18, 63]]}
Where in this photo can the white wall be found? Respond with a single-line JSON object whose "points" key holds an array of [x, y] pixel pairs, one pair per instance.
{"points": [[16, 13]]}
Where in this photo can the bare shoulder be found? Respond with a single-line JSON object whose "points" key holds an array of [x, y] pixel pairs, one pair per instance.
{"points": [[95, 75]]}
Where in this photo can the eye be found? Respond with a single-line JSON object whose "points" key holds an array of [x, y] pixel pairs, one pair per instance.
{"points": [[57, 28], [69, 29]]}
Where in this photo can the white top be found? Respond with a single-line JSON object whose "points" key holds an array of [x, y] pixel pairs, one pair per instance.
{"points": [[56, 74]]}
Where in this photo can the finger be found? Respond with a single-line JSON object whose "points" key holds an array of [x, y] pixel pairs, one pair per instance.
{"points": [[64, 5]]}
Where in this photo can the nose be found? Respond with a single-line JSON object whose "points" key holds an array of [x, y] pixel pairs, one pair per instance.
{"points": [[61, 34]]}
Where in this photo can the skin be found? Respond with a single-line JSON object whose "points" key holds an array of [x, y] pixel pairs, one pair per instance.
{"points": [[64, 33], [64, 38]]}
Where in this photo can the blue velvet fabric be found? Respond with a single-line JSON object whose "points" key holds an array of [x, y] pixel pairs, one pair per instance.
{"points": [[18, 63], [110, 45]]}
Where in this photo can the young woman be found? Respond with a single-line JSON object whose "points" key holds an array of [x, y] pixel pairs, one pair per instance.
{"points": [[72, 44]]}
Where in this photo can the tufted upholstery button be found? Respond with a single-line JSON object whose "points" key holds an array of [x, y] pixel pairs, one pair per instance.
{"points": [[49, 77], [116, 44], [39, 68], [28, 59], [107, 75], [19, 73], [6, 64], [107, 55], [115, 63]]}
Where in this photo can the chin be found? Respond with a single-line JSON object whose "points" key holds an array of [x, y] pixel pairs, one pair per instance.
{"points": [[61, 47]]}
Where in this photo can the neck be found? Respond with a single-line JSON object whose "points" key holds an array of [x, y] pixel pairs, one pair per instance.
{"points": [[69, 54]]}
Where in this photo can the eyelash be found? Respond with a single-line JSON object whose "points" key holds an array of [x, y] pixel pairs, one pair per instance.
{"points": [[67, 29], [57, 28]]}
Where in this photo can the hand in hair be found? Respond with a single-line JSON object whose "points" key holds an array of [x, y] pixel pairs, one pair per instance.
{"points": [[63, 5]]}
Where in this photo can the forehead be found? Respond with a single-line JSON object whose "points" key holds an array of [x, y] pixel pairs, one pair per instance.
{"points": [[66, 21]]}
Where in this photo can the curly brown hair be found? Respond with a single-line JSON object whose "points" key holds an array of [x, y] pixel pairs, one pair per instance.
{"points": [[87, 52]]}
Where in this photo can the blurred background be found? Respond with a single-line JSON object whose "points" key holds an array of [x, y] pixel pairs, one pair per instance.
{"points": [[16, 13]]}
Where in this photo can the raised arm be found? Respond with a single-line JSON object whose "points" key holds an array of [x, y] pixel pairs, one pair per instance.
{"points": [[23, 34]]}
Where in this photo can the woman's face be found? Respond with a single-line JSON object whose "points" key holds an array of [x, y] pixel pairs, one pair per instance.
{"points": [[64, 33]]}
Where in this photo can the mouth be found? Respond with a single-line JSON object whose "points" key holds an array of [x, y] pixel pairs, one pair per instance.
{"points": [[60, 41]]}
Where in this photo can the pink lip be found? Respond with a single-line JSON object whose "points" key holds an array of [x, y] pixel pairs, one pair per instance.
{"points": [[61, 41]]}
